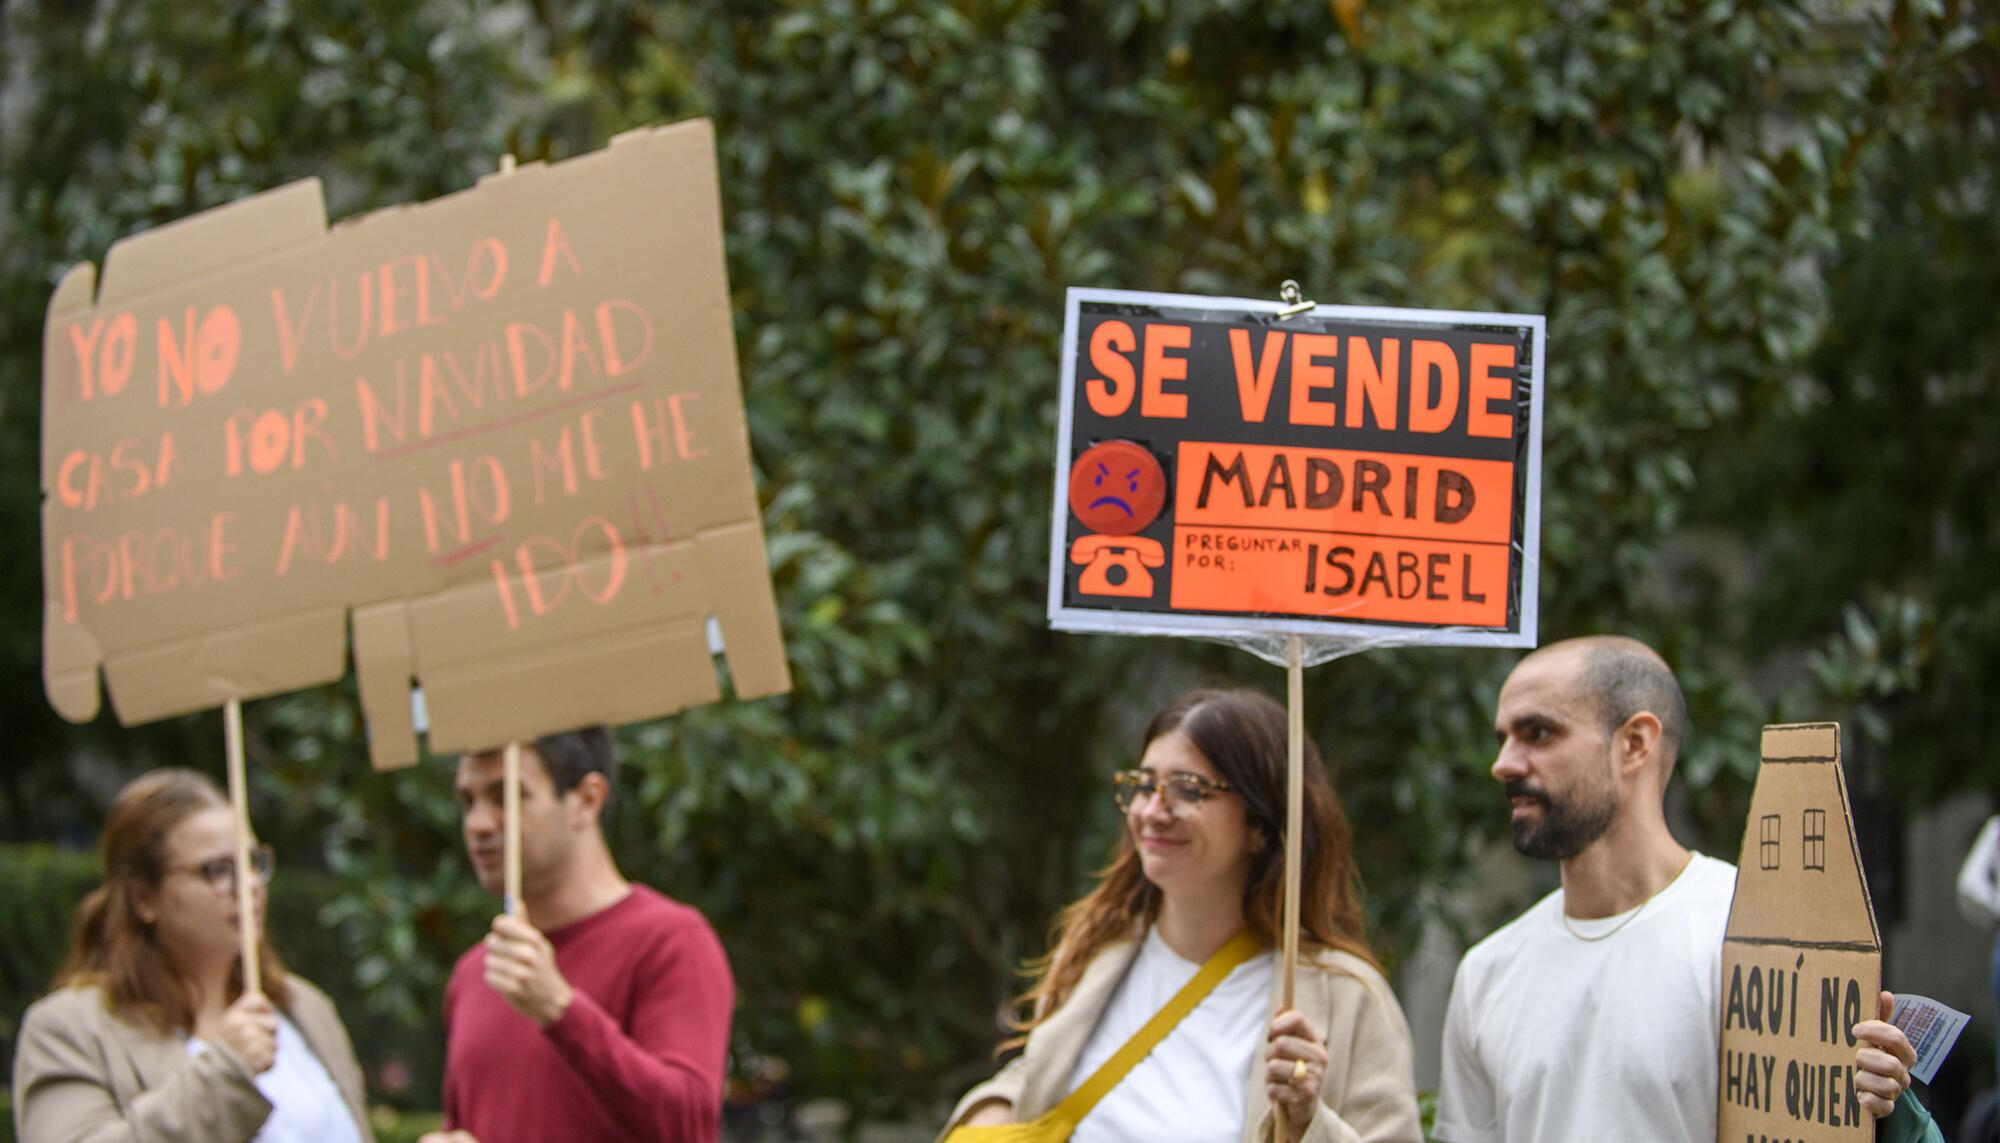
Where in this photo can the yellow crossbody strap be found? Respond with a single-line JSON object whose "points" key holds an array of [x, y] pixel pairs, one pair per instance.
{"points": [[1240, 948]]}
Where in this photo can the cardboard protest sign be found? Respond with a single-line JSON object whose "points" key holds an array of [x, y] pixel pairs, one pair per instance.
{"points": [[503, 430], [1351, 471], [1802, 960]]}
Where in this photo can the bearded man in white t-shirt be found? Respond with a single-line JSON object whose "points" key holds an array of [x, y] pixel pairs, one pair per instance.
{"points": [[1593, 1016]]}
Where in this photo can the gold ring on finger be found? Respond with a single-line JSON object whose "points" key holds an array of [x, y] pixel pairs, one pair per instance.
{"points": [[1298, 1072]]}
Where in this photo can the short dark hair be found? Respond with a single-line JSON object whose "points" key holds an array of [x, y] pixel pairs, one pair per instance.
{"points": [[1625, 677], [571, 754]]}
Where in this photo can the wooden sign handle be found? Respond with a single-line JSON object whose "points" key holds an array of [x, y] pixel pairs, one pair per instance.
{"points": [[248, 923], [1295, 782], [512, 781], [512, 802]]}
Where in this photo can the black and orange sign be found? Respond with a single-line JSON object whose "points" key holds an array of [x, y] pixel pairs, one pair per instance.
{"points": [[1345, 472]]}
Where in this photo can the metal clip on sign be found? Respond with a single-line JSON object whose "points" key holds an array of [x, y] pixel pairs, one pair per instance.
{"points": [[1288, 293]]}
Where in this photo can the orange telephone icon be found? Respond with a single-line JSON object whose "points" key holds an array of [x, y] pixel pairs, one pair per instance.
{"points": [[1116, 565]]}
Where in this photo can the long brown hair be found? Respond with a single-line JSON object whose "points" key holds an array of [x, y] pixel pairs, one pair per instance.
{"points": [[1243, 734], [110, 947]]}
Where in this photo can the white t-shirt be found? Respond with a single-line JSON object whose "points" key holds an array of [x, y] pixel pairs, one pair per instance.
{"points": [[1552, 1038], [306, 1105], [1190, 1088]]}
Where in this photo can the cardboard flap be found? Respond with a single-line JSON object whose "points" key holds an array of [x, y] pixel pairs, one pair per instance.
{"points": [[503, 430], [248, 662], [383, 666], [70, 658], [749, 623], [171, 256], [474, 706]]}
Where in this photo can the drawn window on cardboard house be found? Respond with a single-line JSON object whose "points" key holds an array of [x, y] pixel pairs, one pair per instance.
{"points": [[1815, 840], [1767, 841]]}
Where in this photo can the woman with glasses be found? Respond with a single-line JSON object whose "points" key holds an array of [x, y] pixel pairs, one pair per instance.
{"points": [[149, 1034], [1194, 896]]}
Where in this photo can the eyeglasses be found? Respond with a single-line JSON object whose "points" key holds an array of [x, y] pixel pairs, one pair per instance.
{"points": [[220, 873], [1184, 792]]}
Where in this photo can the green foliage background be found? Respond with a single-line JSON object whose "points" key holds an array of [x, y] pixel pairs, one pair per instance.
{"points": [[1764, 234]]}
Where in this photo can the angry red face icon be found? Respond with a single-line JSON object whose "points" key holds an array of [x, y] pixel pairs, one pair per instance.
{"points": [[1117, 488]]}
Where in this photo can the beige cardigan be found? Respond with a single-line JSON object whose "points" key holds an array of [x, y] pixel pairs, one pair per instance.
{"points": [[83, 1074], [1368, 1095]]}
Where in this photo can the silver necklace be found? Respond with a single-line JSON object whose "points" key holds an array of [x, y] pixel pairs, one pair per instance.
{"points": [[1629, 917]]}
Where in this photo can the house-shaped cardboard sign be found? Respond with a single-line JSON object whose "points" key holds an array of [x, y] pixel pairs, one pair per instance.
{"points": [[502, 432], [1802, 960]]}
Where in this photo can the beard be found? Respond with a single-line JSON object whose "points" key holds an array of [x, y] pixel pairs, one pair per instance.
{"points": [[1569, 823]]}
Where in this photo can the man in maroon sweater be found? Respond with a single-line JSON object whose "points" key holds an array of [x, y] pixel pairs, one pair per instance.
{"points": [[607, 1017]]}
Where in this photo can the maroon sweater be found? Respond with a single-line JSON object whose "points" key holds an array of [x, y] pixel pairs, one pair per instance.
{"points": [[639, 1054]]}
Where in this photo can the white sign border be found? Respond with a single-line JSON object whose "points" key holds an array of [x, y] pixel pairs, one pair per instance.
{"points": [[1078, 619]]}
